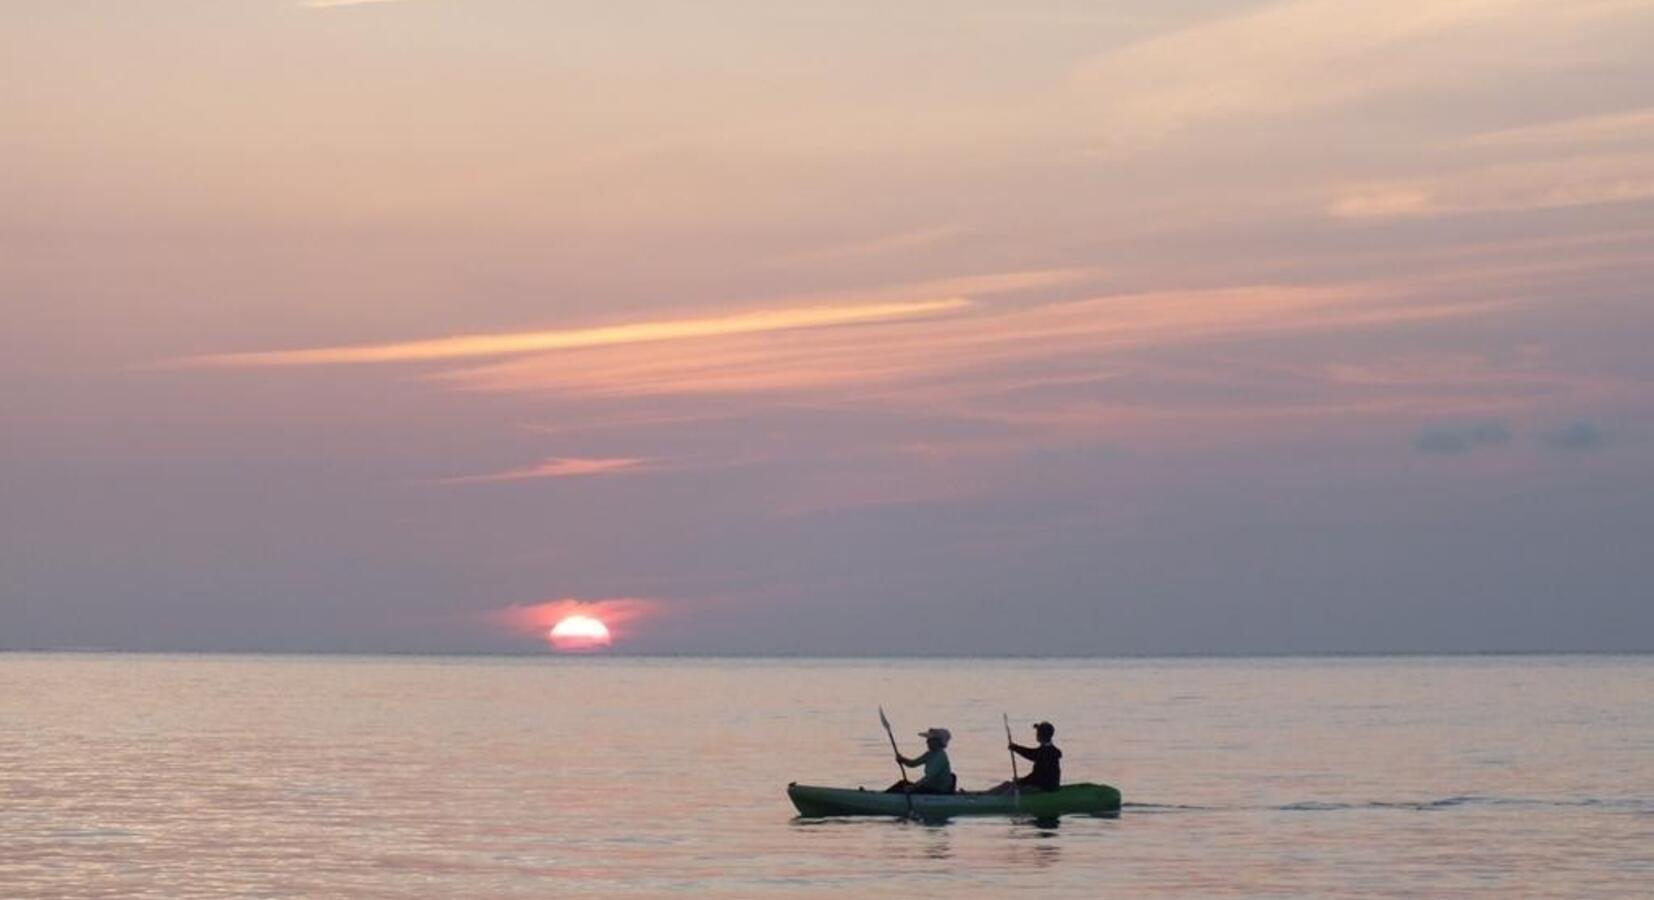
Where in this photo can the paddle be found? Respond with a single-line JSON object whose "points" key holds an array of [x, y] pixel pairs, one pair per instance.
{"points": [[1016, 791], [899, 767]]}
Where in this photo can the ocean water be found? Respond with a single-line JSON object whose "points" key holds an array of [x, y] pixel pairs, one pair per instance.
{"points": [[342, 777]]}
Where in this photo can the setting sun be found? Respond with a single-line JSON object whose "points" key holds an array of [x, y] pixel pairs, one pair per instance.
{"points": [[573, 623], [579, 632]]}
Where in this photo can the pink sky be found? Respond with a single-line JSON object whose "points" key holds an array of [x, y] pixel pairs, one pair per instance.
{"points": [[1168, 327]]}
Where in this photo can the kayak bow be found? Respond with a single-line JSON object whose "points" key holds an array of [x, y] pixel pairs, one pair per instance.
{"points": [[814, 802]]}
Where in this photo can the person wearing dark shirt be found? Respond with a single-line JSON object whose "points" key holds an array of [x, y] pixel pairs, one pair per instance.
{"points": [[1047, 759]]}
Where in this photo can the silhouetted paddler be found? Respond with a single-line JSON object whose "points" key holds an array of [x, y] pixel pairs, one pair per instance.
{"points": [[1047, 759]]}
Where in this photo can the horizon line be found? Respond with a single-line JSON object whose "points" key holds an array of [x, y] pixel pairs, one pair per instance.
{"points": [[636, 655]]}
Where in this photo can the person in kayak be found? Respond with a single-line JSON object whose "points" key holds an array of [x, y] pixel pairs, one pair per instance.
{"points": [[938, 777], [1047, 773]]}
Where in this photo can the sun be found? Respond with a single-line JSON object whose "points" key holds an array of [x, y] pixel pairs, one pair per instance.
{"points": [[579, 632]]}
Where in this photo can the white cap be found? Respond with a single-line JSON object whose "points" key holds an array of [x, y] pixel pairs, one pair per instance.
{"points": [[941, 734]]}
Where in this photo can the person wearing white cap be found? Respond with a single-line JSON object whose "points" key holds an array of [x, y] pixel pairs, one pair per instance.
{"points": [[938, 777]]}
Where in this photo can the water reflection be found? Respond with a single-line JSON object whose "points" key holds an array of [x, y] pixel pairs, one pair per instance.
{"points": [[938, 840], [437, 778], [1033, 843], [1007, 843]]}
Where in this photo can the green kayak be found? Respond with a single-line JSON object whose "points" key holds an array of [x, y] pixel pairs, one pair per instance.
{"points": [[813, 802]]}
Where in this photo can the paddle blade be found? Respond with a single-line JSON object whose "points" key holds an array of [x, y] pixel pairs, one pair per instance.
{"points": [[882, 720]]}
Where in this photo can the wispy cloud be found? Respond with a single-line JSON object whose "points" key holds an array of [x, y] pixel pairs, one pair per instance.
{"points": [[753, 322], [1625, 126], [1576, 436], [327, 4], [1306, 55], [900, 242], [1461, 438], [1541, 184], [966, 351], [558, 467], [977, 285], [1383, 201]]}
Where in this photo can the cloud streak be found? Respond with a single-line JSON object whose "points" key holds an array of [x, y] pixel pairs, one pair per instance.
{"points": [[1576, 437], [558, 467], [1632, 126], [507, 344], [1301, 56], [1454, 439], [329, 4], [997, 344], [1546, 184], [906, 241]]}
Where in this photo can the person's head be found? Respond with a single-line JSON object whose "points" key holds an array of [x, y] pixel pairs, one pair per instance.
{"points": [[936, 738], [1045, 731]]}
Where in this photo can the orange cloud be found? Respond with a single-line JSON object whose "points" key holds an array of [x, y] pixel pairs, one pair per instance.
{"points": [[974, 346], [462, 346], [557, 467]]}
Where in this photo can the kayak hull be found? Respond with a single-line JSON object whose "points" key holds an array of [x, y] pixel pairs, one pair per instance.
{"points": [[816, 802]]}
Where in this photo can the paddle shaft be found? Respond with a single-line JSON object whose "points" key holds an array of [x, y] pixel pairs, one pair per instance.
{"points": [[1015, 788], [899, 767]]}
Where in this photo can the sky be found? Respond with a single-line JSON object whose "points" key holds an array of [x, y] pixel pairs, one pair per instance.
{"points": [[961, 327]]}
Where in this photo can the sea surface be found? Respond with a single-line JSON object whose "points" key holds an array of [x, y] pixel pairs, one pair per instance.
{"points": [[462, 777]]}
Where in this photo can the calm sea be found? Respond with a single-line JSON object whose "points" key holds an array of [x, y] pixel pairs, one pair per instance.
{"points": [[341, 777]]}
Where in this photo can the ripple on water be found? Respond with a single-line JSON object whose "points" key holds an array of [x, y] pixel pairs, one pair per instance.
{"points": [[409, 777]]}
